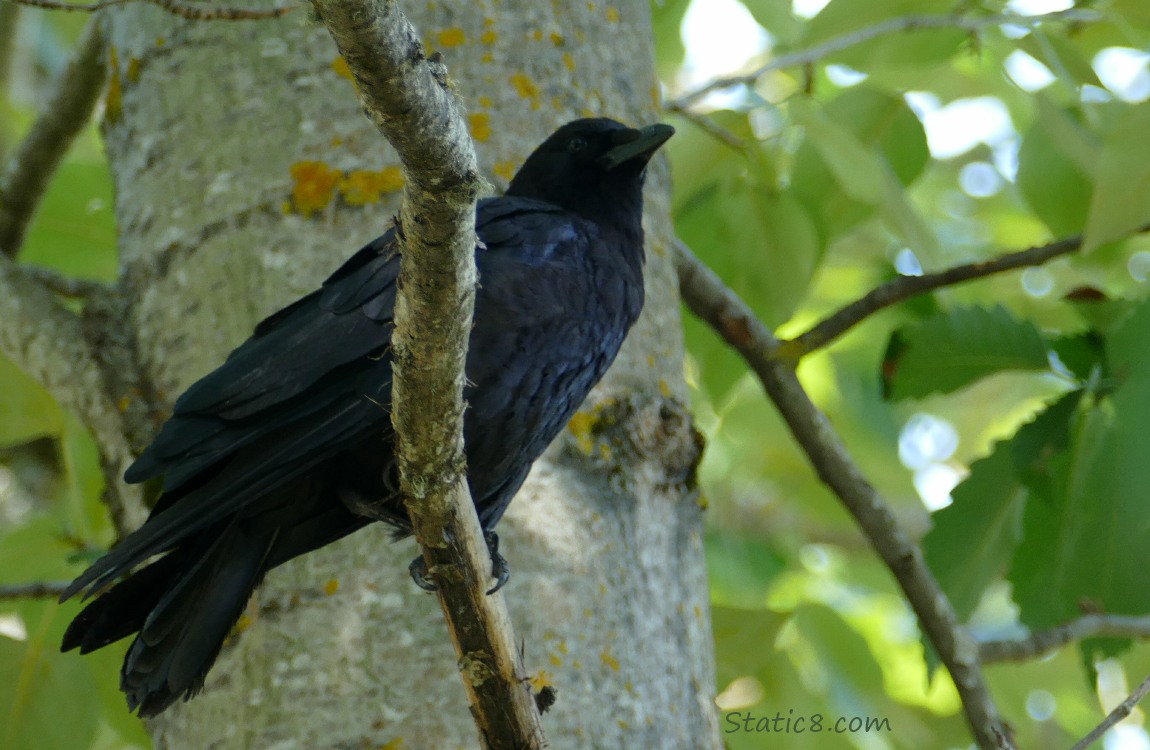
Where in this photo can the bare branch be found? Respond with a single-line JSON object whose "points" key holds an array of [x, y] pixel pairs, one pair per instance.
{"points": [[1043, 642], [46, 341], [890, 26], [905, 287], [1118, 714], [190, 12], [65, 286], [36, 590], [408, 98], [64, 115], [710, 127], [717, 305]]}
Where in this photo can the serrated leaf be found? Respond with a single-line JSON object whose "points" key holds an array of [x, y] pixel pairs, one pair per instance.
{"points": [[1121, 200], [956, 348], [1086, 537], [973, 539]]}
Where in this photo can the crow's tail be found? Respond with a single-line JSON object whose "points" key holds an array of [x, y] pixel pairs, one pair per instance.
{"points": [[182, 607]]}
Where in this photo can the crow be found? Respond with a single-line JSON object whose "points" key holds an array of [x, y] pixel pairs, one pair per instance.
{"points": [[278, 451]]}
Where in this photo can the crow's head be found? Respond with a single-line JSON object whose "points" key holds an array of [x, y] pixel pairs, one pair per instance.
{"points": [[590, 165]]}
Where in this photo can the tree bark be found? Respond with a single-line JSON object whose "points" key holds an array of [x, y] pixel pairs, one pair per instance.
{"points": [[204, 124]]}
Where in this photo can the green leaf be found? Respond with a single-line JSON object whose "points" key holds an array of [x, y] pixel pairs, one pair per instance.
{"points": [[74, 229], [741, 569], [27, 411], [1086, 536], [973, 539], [879, 121], [777, 18], [1054, 164], [47, 699], [666, 23], [761, 243], [1057, 53], [953, 349], [1120, 204], [856, 167], [914, 48]]}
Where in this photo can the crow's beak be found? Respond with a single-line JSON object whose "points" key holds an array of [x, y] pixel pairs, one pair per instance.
{"points": [[635, 145]]}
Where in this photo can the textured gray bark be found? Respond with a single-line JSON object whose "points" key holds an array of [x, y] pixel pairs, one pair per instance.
{"points": [[608, 591]]}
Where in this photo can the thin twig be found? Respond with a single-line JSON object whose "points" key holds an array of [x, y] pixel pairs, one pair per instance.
{"points": [[1044, 641], [65, 286], [889, 26], [36, 590], [718, 306], [1118, 714], [190, 12], [47, 342], [710, 127], [407, 95], [65, 114], [905, 287]]}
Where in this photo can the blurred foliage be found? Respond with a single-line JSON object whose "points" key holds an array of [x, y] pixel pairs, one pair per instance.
{"points": [[1033, 387], [1030, 386]]}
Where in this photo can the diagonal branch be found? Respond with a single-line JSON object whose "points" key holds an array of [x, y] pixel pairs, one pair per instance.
{"points": [[905, 287], [1039, 644], [842, 42], [1118, 714], [408, 98], [35, 590], [47, 342], [718, 306], [176, 8], [65, 114]]}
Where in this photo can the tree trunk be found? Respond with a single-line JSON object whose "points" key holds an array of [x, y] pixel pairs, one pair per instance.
{"points": [[225, 138]]}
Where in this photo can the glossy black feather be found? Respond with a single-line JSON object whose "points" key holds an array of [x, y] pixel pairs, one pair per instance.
{"points": [[260, 456]]}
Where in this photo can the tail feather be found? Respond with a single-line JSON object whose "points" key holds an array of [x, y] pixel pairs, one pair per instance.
{"points": [[186, 629]]}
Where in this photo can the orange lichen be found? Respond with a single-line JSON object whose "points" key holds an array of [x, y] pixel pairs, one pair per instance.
{"points": [[160, 41], [488, 37], [487, 58], [480, 126], [485, 102], [541, 680], [114, 101], [526, 88], [569, 61], [331, 586], [504, 169], [363, 186], [339, 65], [555, 660], [452, 37], [314, 186], [557, 104], [133, 73], [396, 744], [556, 38], [537, 35], [664, 389], [612, 14]]}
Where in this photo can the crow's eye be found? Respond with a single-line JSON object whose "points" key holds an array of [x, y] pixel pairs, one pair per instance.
{"points": [[575, 145]]}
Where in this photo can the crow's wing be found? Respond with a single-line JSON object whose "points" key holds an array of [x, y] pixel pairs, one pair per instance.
{"points": [[311, 381]]}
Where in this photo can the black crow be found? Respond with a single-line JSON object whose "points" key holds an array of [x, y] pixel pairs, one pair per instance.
{"points": [[270, 455]]}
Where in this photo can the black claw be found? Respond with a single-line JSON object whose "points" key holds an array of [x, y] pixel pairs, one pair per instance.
{"points": [[500, 570], [419, 574]]}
